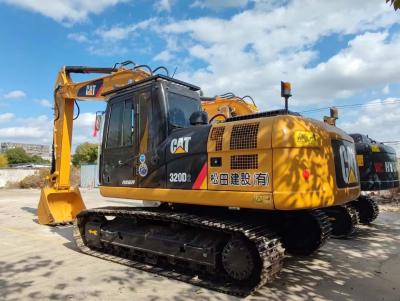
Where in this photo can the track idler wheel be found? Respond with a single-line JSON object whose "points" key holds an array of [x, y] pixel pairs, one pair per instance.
{"points": [[367, 209], [240, 260], [343, 219]]}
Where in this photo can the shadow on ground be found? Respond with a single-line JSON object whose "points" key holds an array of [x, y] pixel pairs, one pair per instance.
{"points": [[340, 271], [35, 270]]}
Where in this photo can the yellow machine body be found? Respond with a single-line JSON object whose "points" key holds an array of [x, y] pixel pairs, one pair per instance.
{"points": [[295, 153]]}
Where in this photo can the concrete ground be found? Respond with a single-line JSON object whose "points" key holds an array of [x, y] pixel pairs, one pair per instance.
{"points": [[42, 263]]}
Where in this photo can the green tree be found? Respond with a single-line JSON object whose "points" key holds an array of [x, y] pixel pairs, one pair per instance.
{"points": [[17, 155], [3, 160], [395, 3], [85, 153], [38, 160]]}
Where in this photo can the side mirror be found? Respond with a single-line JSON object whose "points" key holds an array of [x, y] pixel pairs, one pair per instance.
{"points": [[198, 118]]}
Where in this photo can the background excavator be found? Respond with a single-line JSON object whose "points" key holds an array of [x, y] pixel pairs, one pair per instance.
{"points": [[232, 193], [377, 163]]}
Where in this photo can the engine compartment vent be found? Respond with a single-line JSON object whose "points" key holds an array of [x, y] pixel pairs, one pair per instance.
{"points": [[244, 162], [244, 136], [217, 134]]}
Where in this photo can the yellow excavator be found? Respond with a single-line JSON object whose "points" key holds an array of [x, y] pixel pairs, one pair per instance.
{"points": [[234, 194]]}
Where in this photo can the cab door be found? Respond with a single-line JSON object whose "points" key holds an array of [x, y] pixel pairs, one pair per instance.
{"points": [[118, 164], [152, 127]]}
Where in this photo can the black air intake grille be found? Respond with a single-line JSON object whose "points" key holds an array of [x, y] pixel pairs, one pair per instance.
{"points": [[244, 162], [217, 134], [244, 136]]}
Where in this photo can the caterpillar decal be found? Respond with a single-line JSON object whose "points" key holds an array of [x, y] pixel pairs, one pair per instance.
{"points": [[93, 89]]}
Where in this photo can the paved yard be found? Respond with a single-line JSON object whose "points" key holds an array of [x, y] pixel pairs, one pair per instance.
{"points": [[42, 263]]}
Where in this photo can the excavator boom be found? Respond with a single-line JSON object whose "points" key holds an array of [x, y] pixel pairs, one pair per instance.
{"points": [[59, 202]]}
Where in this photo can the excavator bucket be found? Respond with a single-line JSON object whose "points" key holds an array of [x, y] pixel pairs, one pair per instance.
{"points": [[59, 206]]}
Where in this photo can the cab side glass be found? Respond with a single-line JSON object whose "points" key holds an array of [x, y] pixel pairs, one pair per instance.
{"points": [[114, 135], [121, 126], [128, 124], [180, 109]]}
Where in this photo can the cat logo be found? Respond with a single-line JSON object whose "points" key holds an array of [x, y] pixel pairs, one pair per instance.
{"points": [[180, 145], [348, 164], [92, 232], [90, 90]]}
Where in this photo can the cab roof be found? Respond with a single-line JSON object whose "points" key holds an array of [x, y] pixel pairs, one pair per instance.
{"points": [[154, 78]]}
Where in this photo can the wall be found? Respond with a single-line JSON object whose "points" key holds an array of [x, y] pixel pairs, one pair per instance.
{"points": [[14, 175]]}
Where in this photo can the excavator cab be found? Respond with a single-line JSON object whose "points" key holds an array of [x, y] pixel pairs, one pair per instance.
{"points": [[138, 121], [140, 115]]}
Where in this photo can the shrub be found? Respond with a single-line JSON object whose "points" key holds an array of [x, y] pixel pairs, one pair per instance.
{"points": [[3, 160], [35, 181]]}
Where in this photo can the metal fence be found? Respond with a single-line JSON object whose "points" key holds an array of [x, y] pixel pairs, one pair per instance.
{"points": [[89, 176]]}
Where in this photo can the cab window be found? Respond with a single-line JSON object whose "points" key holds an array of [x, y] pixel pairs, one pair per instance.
{"points": [[180, 109], [121, 126]]}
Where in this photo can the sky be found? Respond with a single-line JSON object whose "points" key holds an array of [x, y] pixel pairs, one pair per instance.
{"points": [[335, 53]]}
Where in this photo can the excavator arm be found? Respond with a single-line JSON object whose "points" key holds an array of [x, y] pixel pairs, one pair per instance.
{"points": [[227, 105], [59, 202]]}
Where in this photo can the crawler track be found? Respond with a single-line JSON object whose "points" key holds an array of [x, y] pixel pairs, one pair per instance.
{"points": [[367, 208], [303, 232], [344, 220], [267, 243]]}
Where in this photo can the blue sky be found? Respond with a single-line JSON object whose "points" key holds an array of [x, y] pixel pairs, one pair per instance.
{"points": [[338, 53]]}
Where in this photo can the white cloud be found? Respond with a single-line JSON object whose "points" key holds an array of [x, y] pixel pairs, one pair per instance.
{"points": [[119, 32], [41, 121], [14, 94], [219, 4], [386, 89], [252, 51], [369, 61], [163, 5], [65, 11], [379, 119], [107, 41], [16, 133], [39, 129], [85, 121], [168, 54], [45, 103], [6, 117], [164, 55], [78, 37]]}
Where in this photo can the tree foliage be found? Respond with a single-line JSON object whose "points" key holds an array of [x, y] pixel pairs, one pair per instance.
{"points": [[85, 153], [3, 160], [17, 155], [38, 160], [395, 3]]}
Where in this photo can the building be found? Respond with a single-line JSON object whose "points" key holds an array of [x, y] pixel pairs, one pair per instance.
{"points": [[43, 151]]}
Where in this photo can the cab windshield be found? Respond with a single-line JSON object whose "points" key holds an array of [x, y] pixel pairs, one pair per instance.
{"points": [[180, 109]]}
